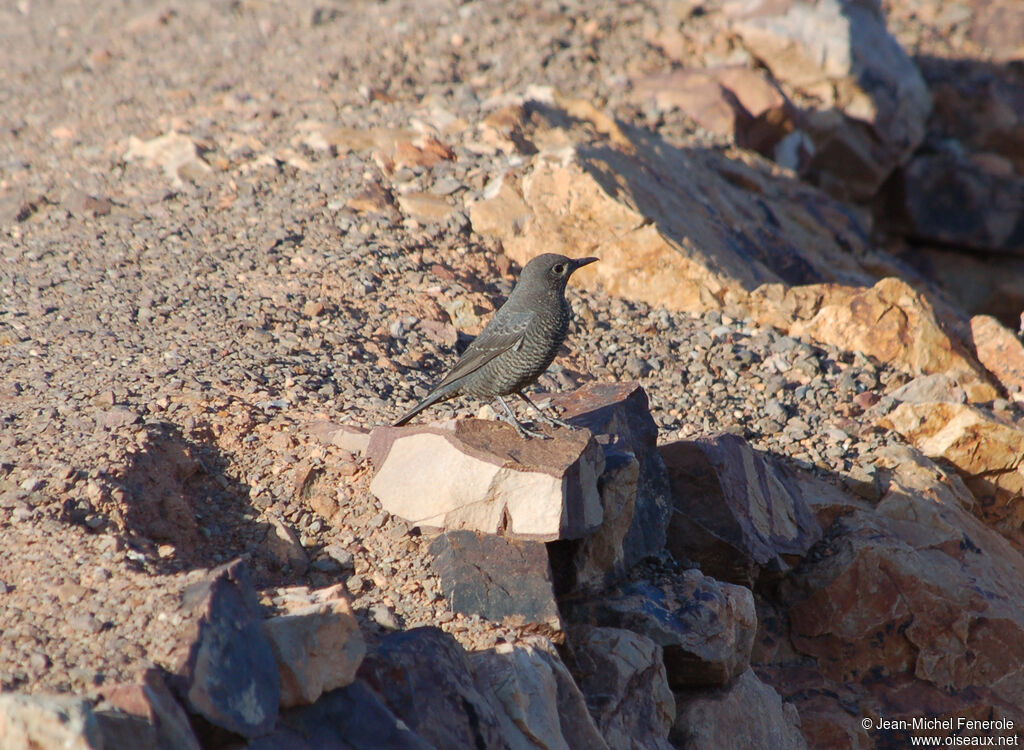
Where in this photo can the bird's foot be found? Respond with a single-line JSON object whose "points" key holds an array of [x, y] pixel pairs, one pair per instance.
{"points": [[556, 421], [524, 432]]}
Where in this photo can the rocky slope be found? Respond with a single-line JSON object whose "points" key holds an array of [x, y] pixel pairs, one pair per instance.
{"points": [[237, 237]]}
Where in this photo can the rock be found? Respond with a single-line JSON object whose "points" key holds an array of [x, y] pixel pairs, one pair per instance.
{"points": [[889, 321], [425, 677], [705, 627], [118, 416], [1000, 352], [372, 199], [728, 100], [225, 664], [121, 731], [538, 702], [151, 701], [623, 678], [987, 453], [946, 198], [916, 588], [930, 388], [634, 486], [282, 543], [173, 152], [737, 512], [350, 718], [425, 207], [830, 712], [317, 645], [871, 102], [33, 722], [712, 720], [686, 229], [979, 283], [476, 570], [981, 106], [364, 139], [347, 437], [422, 151], [998, 29], [481, 476], [82, 204]]}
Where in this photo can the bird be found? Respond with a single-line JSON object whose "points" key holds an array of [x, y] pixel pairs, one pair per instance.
{"points": [[517, 345]]}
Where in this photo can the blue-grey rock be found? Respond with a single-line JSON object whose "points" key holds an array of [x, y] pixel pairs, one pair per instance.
{"points": [[705, 627], [495, 578], [738, 513], [634, 486], [226, 672], [425, 678], [350, 718]]}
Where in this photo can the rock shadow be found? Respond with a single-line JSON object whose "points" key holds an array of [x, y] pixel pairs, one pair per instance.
{"points": [[177, 507]]}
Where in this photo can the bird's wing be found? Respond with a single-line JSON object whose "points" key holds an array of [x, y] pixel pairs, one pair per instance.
{"points": [[501, 335]]}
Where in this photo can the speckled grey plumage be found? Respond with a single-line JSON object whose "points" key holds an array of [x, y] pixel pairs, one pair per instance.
{"points": [[518, 344]]}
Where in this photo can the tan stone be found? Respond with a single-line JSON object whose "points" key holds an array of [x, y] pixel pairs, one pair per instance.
{"points": [[317, 645], [425, 207], [988, 453], [536, 700], [872, 102], [33, 722], [173, 152], [348, 437], [371, 199], [359, 139], [1001, 353], [733, 100], [890, 321], [283, 545], [482, 476]]}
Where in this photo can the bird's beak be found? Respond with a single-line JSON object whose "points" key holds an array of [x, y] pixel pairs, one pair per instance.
{"points": [[580, 262]]}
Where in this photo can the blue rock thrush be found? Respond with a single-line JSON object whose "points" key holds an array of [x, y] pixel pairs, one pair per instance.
{"points": [[519, 343]]}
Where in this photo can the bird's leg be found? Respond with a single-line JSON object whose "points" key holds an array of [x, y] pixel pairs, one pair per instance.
{"points": [[523, 432], [550, 420]]}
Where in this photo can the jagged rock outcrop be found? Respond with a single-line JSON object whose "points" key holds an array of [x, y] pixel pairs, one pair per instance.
{"points": [[736, 512], [1001, 352], [704, 627], [622, 676], [746, 714], [915, 589], [987, 451], [674, 227], [890, 321], [869, 99]]}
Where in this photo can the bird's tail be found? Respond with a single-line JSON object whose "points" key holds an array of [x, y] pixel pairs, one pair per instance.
{"points": [[430, 400]]}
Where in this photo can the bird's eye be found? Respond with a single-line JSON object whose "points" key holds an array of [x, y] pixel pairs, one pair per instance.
{"points": [[560, 268]]}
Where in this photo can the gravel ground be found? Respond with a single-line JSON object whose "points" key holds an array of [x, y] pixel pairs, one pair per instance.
{"points": [[191, 330]]}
